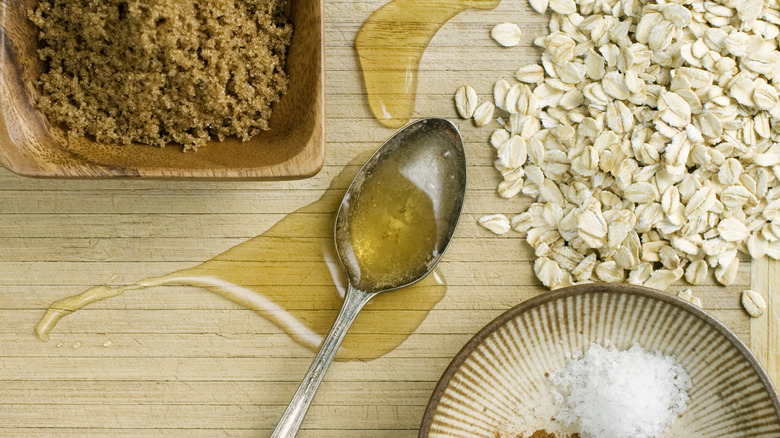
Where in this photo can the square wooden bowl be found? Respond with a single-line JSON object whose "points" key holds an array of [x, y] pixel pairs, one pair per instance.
{"points": [[294, 146]]}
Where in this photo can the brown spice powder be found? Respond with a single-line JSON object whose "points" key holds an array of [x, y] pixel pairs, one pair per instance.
{"points": [[162, 71], [540, 434], [545, 434]]}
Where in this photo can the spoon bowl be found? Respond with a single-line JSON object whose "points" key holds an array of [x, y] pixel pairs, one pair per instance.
{"points": [[401, 210], [393, 225]]}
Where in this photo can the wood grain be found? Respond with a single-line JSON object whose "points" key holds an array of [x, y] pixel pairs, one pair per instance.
{"points": [[185, 363]]}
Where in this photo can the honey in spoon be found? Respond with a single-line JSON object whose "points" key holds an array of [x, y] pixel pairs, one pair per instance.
{"points": [[392, 229], [397, 216]]}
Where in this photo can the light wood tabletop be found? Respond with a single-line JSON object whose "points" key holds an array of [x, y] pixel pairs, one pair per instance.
{"points": [[180, 361]]}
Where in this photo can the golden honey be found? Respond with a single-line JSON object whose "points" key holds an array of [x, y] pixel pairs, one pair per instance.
{"points": [[291, 276], [392, 229], [390, 45]]}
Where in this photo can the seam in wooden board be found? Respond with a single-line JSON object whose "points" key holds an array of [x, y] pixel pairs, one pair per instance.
{"points": [[760, 327], [772, 321]]}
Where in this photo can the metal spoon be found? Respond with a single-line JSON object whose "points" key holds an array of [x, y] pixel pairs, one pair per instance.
{"points": [[428, 161]]}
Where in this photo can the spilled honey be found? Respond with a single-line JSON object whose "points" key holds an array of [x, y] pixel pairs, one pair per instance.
{"points": [[291, 275], [390, 45]]}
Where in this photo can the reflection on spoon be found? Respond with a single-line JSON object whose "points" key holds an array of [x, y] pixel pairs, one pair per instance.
{"points": [[291, 276], [390, 45]]}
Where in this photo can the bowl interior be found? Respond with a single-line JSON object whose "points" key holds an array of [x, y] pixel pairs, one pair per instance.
{"points": [[292, 148], [497, 385]]}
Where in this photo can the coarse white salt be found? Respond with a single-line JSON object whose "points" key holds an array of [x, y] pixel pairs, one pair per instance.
{"points": [[608, 393]]}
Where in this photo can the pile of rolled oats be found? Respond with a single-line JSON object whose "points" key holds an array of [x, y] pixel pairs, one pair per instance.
{"points": [[647, 140]]}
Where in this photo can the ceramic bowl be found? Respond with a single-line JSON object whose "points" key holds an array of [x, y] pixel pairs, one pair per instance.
{"points": [[294, 147], [497, 386]]}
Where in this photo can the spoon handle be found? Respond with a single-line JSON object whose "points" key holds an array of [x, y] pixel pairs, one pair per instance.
{"points": [[354, 300]]}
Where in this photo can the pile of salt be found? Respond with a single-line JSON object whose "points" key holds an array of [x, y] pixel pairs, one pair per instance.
{"points": [[607, 393]]}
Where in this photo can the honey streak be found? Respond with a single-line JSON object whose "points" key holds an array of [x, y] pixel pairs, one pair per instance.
{"points": [[390, 45], [291, 276]]}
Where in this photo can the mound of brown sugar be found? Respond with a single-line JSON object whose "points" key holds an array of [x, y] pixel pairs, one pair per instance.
{"points": [[162, 71]]}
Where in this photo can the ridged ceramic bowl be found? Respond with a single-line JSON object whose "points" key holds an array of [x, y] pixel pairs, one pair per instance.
{"points": [[497, 385]]}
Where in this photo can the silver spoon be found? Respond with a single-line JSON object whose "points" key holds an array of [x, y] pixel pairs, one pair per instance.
{"points": [[392, 227]]}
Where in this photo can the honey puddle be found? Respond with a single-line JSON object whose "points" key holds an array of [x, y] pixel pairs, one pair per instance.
{"points": [[390, 45], [291, 276]]}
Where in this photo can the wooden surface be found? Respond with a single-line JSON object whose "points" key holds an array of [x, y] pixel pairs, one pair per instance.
{"points": [[185, 363]]}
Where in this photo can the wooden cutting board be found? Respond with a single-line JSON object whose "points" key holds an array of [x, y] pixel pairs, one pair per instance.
{"points": [[182, 362]]}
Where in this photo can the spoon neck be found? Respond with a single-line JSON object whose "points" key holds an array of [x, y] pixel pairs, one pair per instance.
{"points": [[354, 300]]}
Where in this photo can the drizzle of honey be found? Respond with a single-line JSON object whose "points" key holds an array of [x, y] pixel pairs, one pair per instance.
{"points": [[390, 45], [291, 275]]}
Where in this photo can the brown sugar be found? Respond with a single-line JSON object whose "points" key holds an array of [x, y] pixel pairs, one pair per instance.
{"points": [[162, 71]]}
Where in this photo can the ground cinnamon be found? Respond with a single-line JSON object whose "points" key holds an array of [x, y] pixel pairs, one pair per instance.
{"points": [[540, 434]]}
